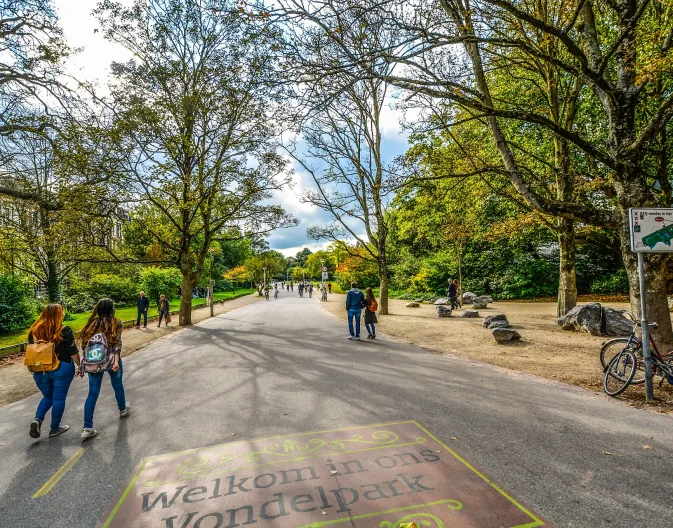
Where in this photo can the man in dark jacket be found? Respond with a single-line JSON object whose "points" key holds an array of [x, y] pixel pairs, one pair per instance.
{"points": [[453, 293], [355, 301], [143, 305]]}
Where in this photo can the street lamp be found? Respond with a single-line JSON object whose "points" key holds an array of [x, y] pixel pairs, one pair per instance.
{"points": [[264, 278]]}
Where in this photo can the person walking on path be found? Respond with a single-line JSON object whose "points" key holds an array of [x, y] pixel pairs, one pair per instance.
{"points": [[164, 310], [310, 290], [53, 385], [143, 305], [329, 287], [453, 293], [355, 301], [370, 313], [104, 327]]}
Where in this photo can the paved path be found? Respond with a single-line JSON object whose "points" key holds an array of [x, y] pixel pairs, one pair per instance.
{"points": [[284, 367]]}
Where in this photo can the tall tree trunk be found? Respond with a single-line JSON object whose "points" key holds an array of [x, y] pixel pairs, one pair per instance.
{"points": [[567, 289], [383, 286], [53, 282], [188, 284]]}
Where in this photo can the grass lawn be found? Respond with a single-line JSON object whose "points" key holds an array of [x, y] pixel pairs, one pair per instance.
{"points": [[125, 314]]}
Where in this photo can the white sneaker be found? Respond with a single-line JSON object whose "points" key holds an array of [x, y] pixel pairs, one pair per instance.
{"points": [[88, 433], [351, 337], [356, 339], [126, 411]]}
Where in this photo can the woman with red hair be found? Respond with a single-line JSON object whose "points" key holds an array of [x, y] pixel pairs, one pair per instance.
{"points": [[53, 385]]}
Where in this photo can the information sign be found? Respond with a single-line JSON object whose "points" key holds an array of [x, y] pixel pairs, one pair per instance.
{"points": [[651, 230]]}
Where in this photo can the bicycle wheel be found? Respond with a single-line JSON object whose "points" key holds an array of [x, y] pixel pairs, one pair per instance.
{"points": [[613, 347], [620, 372]]}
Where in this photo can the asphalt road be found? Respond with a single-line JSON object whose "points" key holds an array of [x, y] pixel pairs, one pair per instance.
{"points": [[285, 366]]}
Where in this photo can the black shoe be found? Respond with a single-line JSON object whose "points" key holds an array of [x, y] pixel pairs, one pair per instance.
{"points": [[35, 427], [60, 430], [374, 336]]}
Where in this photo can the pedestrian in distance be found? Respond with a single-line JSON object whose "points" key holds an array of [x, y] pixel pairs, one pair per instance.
{"points": [[48, 335], [143, 305], [164, 310], [329, 287], [310, 290], [453, 293], [101, 340], [355, 301], [370, 313]]}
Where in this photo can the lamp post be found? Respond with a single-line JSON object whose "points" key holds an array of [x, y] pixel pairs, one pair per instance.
{"points": [[211, 285], [322, 265], [264, 278]]}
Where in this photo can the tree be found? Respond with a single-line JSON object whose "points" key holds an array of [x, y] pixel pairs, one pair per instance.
{"points": [[194, 115], [273, 261], [619, 53], [315, 262], [302, 256]]}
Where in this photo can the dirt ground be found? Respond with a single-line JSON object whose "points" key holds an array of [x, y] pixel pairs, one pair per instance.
{"points": [[544, 350], [17, 383]]}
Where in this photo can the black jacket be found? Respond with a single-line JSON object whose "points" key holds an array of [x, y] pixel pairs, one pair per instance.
{"points": [[452, 290], [143, 303], [66, 348]]}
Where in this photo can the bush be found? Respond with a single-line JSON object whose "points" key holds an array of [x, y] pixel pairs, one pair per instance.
{"points": [[76, 300], [160, 281], [612, 284], [17, 304], [82, 295]]}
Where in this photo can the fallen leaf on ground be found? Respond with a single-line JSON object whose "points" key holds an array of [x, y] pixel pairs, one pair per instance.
{"points": [[607, 453], [647, 447], [233, 434], [334, 472], [452, 438], [324, 513]]}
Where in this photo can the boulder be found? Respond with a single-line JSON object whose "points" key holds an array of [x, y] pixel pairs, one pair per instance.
{"points": [[477, 304], [441, 300], [505, 335], [499, 324], [586, 317], [502, 318], [443, 311], [468, 296], [615, 324], [470, 313], [483, 299], [420, 300], [413, 305]]}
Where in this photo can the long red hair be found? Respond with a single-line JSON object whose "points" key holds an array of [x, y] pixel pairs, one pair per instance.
{"points": [[49, 325]]}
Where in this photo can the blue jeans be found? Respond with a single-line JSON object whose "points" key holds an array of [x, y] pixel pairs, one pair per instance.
{"points": [[372, 330], [95, 382], [54, 388], [354, 314]]}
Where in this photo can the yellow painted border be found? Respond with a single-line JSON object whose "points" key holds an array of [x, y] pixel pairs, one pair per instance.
{"points": [[536, 522], [49, 485]]}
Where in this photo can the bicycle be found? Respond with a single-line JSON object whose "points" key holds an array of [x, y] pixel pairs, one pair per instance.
{"points": [[612, 347], [621, 369], [324, 295], [266, 294], [275, 294]]}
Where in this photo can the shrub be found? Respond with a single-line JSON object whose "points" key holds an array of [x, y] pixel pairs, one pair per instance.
{"points": [[122, 291], [76, 300], [612, 284], [17, 304], [158, 281]]}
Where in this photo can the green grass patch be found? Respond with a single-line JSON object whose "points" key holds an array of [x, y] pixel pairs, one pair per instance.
{"points": [[126, 313]]}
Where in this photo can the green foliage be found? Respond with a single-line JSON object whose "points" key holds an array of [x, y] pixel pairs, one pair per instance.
{"points": [[83, 294], [160, 281], [612, 284], [17, 308]]}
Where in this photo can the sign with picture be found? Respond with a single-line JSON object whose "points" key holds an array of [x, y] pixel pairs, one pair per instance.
{"points": [[651, 230]]}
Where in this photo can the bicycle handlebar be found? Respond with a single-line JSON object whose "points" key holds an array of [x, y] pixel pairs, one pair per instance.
{"points": [[638, 323]]}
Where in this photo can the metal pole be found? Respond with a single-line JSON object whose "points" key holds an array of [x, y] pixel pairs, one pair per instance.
{"points": [[649, 389], [211, 288]]}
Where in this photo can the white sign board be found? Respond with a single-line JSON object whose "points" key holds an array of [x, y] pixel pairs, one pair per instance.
{"points": [[324, 269], [651, 230], [325, 275]]}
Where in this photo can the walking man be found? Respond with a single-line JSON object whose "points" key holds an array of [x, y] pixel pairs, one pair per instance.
{"points": [[143, 305], [453, 293], [329, 287], [355, 301]]}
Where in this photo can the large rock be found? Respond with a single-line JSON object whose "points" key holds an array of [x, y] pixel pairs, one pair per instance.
{"points": [[441, 300], [493, 318], [470, 313], [483, 299], [499, 324], [468, 296], [585, 317], [413, 305], [443, 311], [615, 324], [418, 300], [477, 304], [505, 335]]}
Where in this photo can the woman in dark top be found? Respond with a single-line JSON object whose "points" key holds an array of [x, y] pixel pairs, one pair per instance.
{"points": [[53, 385], [370, 313], [164, 310]]}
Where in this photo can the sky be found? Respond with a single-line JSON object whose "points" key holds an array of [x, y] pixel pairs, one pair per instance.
{"points": [[93, 63]]}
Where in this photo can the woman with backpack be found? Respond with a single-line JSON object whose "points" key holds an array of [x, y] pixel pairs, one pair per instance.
{"points": [[370, 313], [101, 340], [53, 384]]}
